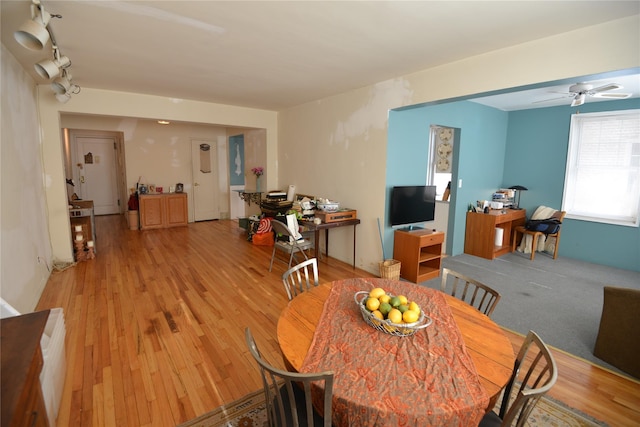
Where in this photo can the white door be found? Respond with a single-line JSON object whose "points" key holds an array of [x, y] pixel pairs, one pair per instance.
{"points": [[204, 161], [95, 173]]}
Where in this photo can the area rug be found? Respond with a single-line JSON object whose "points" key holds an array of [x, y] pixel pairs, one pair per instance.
{"points": [[250, 411]]}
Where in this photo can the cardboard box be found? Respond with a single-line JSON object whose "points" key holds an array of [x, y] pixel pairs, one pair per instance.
{"points": [[340, 215]]}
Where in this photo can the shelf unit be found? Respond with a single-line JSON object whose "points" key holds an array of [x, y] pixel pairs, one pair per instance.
{"points": [[419, 253]]}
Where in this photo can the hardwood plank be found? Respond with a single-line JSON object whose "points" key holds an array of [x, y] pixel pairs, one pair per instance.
{"points": [[155, 328]]}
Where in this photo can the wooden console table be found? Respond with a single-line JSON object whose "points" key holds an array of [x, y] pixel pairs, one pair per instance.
{"points": [[479, 237], [22, 399], [250, 196], [326, 226]]}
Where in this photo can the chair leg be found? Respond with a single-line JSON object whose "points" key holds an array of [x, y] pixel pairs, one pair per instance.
{"points": [[555, 251], [534, 245], [513, 241], [273, 254]]}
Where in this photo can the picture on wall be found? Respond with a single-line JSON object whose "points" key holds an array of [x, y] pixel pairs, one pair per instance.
{"points": [[236, 160]]}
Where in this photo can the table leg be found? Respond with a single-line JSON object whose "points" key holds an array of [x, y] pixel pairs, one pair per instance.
{"points": [[326, 242], [354, 246], [316, 241]]}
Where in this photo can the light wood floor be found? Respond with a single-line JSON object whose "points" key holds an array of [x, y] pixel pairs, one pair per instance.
{"points": [[155, 328]]}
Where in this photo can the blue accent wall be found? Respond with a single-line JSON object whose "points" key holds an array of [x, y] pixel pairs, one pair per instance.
{"points": [[497, 149], [536, 157], [478, 157]]}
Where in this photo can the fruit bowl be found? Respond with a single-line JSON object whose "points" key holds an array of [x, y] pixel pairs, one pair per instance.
{"points": [[386, 326]]}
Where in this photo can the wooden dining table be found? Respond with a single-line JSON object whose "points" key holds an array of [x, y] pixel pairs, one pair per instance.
{"points": [[484, 342]]}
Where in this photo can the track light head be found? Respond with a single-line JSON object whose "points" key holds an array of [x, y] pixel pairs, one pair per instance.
{"points": [[33, 34], [50, 68], [62, 84], [63, 98]]}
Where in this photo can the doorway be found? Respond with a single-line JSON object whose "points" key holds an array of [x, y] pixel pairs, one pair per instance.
{"points": [[205, 170], [97, 169]]}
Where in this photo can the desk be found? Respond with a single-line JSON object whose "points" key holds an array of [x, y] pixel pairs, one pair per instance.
{"points": [[326, 226], [486, 344], [481, 229]]}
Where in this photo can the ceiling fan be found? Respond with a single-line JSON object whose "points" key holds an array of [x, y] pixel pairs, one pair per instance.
{"points": [[580, 91]]}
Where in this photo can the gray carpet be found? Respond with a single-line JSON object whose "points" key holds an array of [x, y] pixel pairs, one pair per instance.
{"points": [[559, 299]]}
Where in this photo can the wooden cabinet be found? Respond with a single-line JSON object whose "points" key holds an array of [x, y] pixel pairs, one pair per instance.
{"points": [[22, 400], [419, 253], [163, 210], [479, 238]]}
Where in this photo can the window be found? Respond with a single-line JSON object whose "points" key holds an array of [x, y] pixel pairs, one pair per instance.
{"points": [[602, 182]]}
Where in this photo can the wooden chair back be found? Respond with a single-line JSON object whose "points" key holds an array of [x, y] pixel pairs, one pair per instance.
{"points": [[469, 290], [535, 372], [288, 394]]}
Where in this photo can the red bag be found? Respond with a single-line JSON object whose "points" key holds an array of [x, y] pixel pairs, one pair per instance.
{"points": [[262, 239]]}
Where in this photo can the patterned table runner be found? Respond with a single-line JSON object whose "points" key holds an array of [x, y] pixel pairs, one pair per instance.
{"points": [[427, 379]]}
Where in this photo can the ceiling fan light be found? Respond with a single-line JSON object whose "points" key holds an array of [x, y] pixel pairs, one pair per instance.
{"points": [[578, 100], [49, 68], [33, 34]]}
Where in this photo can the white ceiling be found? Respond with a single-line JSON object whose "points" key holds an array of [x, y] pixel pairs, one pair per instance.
{"points": [[275, 54]]}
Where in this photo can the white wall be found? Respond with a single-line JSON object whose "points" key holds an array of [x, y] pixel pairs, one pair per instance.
{"points": [[120, 104], [337, 147], [25, 259], [160, 153]]}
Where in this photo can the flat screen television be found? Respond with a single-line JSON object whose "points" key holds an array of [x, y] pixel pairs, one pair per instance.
{"points": [[412, 204]]}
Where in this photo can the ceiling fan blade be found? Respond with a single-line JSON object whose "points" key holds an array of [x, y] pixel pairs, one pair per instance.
{"points": [[611, 95], [605, 88], [550, 99]]}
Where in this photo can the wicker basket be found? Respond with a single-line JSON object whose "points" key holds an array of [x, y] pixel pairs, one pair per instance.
{"points": [[386, 326], [390, 269]]}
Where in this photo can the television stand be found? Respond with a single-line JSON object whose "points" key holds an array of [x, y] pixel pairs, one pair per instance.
{"points": [[419, 252]]}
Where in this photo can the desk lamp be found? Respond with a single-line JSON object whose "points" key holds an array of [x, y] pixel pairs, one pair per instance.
{"points": [[518, 189]]}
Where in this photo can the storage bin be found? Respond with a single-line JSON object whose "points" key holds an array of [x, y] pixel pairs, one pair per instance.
{"points": [[390, 269]]}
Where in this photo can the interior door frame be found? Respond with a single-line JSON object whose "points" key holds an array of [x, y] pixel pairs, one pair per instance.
{"points": [[72, 160]]}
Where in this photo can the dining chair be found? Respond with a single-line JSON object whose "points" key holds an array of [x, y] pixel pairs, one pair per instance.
{"points": [[469, 290], [288, 394], [522, 229], [300, 277], [534, 373], [288, 243]]}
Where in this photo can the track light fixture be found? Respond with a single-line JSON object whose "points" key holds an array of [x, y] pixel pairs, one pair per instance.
{"points": [[34, 34]]}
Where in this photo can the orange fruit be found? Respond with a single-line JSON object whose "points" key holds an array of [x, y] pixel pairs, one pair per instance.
{"points": [[410, 316], [376, 292], [395, 316], [414, 307], [372, 304]]}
